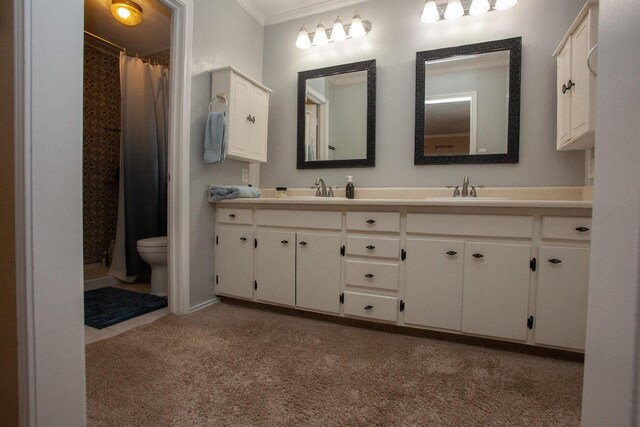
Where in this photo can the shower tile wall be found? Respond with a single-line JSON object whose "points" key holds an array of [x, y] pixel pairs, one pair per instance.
{"points": [[101, 151], [163, 57]]}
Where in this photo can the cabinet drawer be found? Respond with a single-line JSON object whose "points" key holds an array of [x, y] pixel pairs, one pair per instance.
{"points": [[235, 216], [373, 246], [373, 221], [471, 225], [328, 220], [379, 275], [371, 306], [569, 228]]}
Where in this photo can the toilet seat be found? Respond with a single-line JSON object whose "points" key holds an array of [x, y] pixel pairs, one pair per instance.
{"points": [[153, 242]]}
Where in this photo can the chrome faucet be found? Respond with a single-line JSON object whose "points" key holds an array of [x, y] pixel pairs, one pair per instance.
{"points": [[321, 191], [465, 187]]}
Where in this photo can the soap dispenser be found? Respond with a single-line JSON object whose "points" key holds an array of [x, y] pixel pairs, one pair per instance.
{"points": [[350, 192]]}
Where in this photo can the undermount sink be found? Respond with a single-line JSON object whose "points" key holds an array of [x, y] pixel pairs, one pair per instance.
{"points": [[464, 199]]}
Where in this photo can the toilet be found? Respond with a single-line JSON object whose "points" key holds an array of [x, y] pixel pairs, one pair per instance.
{"points": [[154, 252]]}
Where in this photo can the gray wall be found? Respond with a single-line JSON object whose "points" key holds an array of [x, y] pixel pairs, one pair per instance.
{"points": [[396, 37], [612, 361], [223, 34]]}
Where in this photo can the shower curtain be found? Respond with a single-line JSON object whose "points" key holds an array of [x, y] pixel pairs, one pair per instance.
{"points": [[142, 207]]}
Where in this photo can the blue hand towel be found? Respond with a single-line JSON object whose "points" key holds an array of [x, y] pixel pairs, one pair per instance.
{"points": [[214, 138], [220, 192]]}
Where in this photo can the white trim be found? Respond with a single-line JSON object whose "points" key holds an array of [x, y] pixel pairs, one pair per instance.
{"points": [[301, 12], [179, 140], [252, 10], [204, 305], [243, 75]]}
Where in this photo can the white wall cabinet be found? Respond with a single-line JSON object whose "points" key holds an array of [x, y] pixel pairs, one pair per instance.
{"points": [[234, 274], [576, 85], [247, 109]]}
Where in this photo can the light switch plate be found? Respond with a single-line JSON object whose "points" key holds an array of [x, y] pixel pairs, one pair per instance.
{"points": [[245, 175]]}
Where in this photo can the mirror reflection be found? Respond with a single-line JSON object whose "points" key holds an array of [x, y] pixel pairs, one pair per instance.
{"points": [[467, 103], [336, 116]]}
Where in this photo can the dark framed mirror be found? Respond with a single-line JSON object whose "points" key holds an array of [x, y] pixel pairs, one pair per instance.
{"points": [[337, 116], [468, 104]]}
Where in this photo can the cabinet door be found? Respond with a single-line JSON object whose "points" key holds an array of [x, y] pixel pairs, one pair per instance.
{"points": [[561, 298], [579, 75], [564, 99], [276, 267], [238, 123], [235, 262], [433, 286], [496, 290], [259, 110], [318, 272]]}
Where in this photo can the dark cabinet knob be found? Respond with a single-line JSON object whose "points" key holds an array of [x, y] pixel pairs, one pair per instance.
{"points": [[478, 256], [371, 221], [368, 307], [369, 276], [371, 247], [303, 243], [555, 261], [284, 242], [582, 229], [452, 253], [244, 239], [232, 215]]}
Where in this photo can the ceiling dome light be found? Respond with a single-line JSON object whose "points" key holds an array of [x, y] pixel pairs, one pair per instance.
{"points": [[126, 12], [478, 7], [337, 32], [454, 10], [303, 41], [320, 38], [430, 12], [357, 28], [505, 4]]}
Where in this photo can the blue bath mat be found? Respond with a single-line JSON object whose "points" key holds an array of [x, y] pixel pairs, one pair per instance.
{"points": [[108, 306]]}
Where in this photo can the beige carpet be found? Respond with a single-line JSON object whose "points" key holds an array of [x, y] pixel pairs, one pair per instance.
{"points": [[237, 365]]}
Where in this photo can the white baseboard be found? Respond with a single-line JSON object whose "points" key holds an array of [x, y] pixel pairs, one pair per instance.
{"points": [[204, 305], [100, 282]]}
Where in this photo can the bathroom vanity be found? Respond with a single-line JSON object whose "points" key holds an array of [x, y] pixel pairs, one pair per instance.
{"points": [[500, 267]]}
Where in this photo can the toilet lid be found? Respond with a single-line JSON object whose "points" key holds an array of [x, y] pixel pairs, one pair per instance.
{"points": [[153, 242]]}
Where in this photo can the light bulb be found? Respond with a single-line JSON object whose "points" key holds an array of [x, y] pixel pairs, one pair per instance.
{"points": [[303, 41], [357, 28], [320, 38], [478, 7], [454, 10], [337, 32], [430, 12], [505, 4], [124, 13]]}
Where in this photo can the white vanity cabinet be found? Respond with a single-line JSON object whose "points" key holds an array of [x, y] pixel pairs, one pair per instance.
{"points": [[234, 273], [247, 106], [318, 271], [576, 84], [275, 267]]}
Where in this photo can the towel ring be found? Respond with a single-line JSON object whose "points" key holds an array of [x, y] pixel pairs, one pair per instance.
{"points": [[220, 95], [589, 59]]}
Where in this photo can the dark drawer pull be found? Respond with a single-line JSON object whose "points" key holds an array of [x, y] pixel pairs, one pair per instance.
{"points": [[478, 256], [582, 229], [284, 242], [368, 307], [371, 221], [303, 243], [452, 253], [371, 247], [369, 276], [555, 261], [244, 239], [232, 215]]}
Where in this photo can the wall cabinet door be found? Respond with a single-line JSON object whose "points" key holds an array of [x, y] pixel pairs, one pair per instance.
{"points": [[564, 99], [561, 299], [318, 272], [496, 290], [433, 285], [235, 262], [238, 139], [257, 133], [276, 267]]}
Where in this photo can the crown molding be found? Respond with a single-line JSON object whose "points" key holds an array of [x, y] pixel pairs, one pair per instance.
{"points": [[253, 11], [310, 10]]}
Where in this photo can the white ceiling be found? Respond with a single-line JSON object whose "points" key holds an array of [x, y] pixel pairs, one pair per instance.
{"points": [[269, 12]]}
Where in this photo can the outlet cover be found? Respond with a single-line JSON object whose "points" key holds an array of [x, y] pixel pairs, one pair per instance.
{"points": [[245, 175]]}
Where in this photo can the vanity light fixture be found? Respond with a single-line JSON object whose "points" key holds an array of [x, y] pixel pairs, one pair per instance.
{"points": [[358, 28], [439, 10], [126, 12]]}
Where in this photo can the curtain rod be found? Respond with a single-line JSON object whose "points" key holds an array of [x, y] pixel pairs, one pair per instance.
{"points": [[105, 41]]}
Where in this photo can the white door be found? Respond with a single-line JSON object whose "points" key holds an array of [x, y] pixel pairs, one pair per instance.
{"points": [[318, 272], [257, 125], [238, 117], [276, 267], [235, 262], [496, 290], [579, 75], [433, 286], [561, 298], [564, 99]]}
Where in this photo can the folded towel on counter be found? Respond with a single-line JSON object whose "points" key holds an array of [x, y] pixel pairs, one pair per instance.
{"points": [[220, 192], [214, 138]]}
